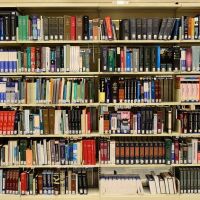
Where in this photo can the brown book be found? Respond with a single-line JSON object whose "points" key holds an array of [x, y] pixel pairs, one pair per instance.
{"points": [[67, 27], [73, 183], [121, 90], [51, 121], [106, 122], [79, 27], [45, 116], [155, 152], [69, 181], [8, 182], [150, 152], [95, 24], [39, 184], [146, 153]]}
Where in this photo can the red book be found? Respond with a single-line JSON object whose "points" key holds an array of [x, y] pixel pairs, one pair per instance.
{"points": [[189, 59], [13, 121], [73, 28], [122, 61], [5, 122], [32, 59], [84, 152], [93, 152], [23, 178], [102, 159], [9, 122], [176, 151], [109, 27], [105, 151], [198, 153], [1, 122], [89, 152]]}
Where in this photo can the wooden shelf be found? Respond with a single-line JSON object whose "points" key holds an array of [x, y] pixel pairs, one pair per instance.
{"points": [[106, 42], [47, 166]]}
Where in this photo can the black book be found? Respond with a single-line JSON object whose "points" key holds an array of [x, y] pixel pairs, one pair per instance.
{"points": [[58, 59], [198, 122], [162, 29], [156, 28], [50, 28], [132, 29], [124, 29], [163, 59], [114, 88], [56, 182], [104, 58], [139, 29], [86, 28], [149, 28], [85, 182], [143, 121], [6, 26], [141, 59], [70, 121], [144, 28], [153, 59], [169, 59], [46, 27], [176, 58], [79, 121], [61, 28], [80, 183], [147, 58]]}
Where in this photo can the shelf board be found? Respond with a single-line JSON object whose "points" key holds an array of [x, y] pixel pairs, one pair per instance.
{"points": [[49, 105], [47, 166], [52, 136], [106, 42], [141, 104]]}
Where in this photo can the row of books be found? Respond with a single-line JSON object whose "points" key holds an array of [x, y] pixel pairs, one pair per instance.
{"points": [[130, 184], [48, 152], [136, 90], [83, 28], [189, 178], [51, 90], [53, 121], [187, 89], [47, 59], [168, 151], [188, 121], [112, 59], [51, 182], [136, 121]]}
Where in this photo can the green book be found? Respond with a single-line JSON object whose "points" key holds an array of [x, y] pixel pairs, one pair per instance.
{"points": [[25, 27], [20, 27], [111, 60], [30, 182], [91, 90], [83, 91], [28, 52], [168, 150]]}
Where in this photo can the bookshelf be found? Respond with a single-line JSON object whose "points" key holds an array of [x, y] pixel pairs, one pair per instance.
{"points": [[101, 9]]}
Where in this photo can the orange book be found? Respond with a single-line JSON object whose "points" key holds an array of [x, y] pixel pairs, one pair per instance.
{"points": [[189, 27], [29, 157], [106, 122], [192, 28], [121, 90], [109, 28], [95, 23]]}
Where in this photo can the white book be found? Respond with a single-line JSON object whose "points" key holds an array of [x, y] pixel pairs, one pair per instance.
{"points": [[112, 152], [156, 182], [26, 121], [57, 122], [155, 123], [194, 150], [45, 151]]}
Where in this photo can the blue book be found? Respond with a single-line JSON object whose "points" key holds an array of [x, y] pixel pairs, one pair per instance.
{"points": [[1, 181], [1, 29], [64, 93], [175, 32], [6, 64], [75, 152], [1, 66], [153, 95], [138, 91], [128, 61], [90, 36], [138, 122], [145, 90], [34, 28], [66, 154], [158, 58], [53, 60], [108, 95]]}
